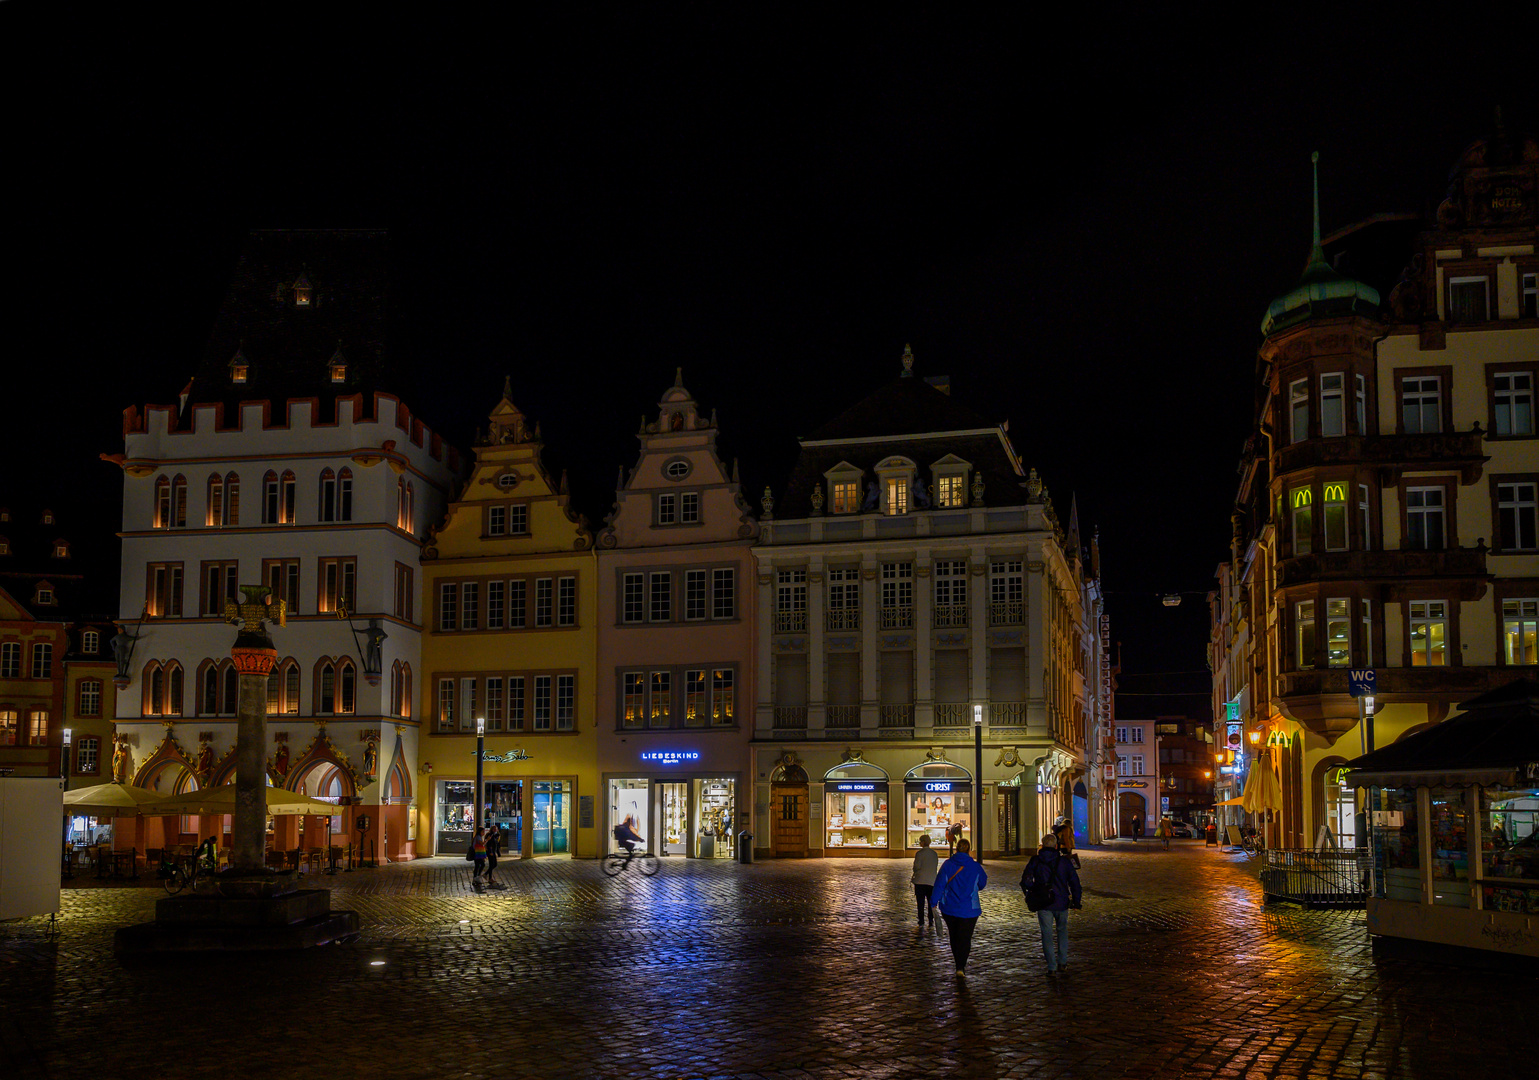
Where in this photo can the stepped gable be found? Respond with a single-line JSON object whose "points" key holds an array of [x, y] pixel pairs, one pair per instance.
{"points": [[298, 300], [875, 428]]}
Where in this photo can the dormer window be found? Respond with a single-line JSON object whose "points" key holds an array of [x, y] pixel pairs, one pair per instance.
{"points": [[950, 474], [336, 367], [303, 293], [844, 488], [90, 642], [895, 495], [61, 549], [896, 475], [44, 595], [239, 368], [47, 517], [5, 546]]}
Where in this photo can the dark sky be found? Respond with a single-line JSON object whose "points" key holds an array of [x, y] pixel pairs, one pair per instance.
{"points": [[1080, 223]]}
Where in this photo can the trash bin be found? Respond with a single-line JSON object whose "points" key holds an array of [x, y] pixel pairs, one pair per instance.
{"points": [[745, 846]]}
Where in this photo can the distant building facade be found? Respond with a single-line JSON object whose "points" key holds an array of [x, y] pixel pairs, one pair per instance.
{"points": [[912, 576]]}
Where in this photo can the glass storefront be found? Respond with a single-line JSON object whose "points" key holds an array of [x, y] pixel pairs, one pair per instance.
{"points": [[855, 806], [675, 817], [715, 813], [1450, 848], [505, 812], [937, 796], [456, 816], [628, 799], [551, 809]]}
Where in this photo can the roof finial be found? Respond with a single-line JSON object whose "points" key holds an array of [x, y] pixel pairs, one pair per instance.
{"points": [[507, 387], [908, 361], [1316, 252], [678, 378]]}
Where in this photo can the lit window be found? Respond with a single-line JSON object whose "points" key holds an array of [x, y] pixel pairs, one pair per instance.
{"points": [[1338, 633], [897, 495], [1429, 633], [1335, 517], [61, 550], [1520, 627], [1302, 500], [846, 496], [950, 491]]}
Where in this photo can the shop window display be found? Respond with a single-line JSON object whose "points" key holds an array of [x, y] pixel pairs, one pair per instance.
{"points": [[456, 816], [551, 804], [933, 812], [1450, 848], [856, 818], [504, 812], [1509, 846], [717, 812], [628, 799], [675, 817], [1398, 850]]}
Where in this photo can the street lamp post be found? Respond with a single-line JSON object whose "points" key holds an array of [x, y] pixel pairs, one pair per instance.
{"points": [[978, 782], [64, 776], [480, 755]]}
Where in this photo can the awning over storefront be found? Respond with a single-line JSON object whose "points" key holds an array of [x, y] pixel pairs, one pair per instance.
{"points": [[1494, 742]]}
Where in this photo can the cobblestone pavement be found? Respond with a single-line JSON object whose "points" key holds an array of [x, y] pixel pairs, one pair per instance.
{"points": [[807, 969]]}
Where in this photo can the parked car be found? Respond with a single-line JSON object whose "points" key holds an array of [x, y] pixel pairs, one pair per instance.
{"points": [[1183, 830]]}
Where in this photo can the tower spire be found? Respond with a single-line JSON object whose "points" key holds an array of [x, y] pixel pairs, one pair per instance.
{"points": [[1316, 252]]}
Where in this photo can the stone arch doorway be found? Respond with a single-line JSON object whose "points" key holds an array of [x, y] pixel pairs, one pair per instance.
{"points": [[788, 810], [1132, 814]]}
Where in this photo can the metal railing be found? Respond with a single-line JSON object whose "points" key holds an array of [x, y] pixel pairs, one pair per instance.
{"points": [[790, 622], [1007, 713], [1329, 878], [950, 615], [897, 716], [790, 716], [842, 716], [842, 618], [953, 714], [894, 618], [1006, 613]]}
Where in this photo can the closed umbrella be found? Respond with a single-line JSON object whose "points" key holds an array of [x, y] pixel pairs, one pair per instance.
{"points": [[1262, 791]]}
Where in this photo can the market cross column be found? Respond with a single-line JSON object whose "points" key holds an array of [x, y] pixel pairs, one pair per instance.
{"points": [[254, 656]]}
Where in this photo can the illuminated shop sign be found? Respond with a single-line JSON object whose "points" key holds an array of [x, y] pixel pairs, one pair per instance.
{"points": [[670, 757], [938, 785], [511, 755], [855, 785], [1132, 783]]}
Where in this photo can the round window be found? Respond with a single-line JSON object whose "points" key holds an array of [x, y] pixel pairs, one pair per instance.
{"points": [[507, 480], [677, 469]]}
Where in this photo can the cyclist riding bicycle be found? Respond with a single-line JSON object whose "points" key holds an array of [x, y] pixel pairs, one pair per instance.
{"points": [[207, 856], [627, 836]]}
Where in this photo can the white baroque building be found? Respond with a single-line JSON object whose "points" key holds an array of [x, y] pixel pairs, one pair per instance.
{"points": [[283, 463]]}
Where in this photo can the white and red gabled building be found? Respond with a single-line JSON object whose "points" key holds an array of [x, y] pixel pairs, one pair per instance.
{"points": [[288, 462]]}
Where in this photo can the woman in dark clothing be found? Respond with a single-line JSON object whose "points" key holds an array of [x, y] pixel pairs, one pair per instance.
{"points": [[493, 849], [478, 852]]}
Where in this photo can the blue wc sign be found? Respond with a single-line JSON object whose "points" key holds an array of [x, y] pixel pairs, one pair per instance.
{"points": [[1361, 681]]}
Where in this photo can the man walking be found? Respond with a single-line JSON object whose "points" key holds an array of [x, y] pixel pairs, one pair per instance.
{"points": [[1051, 885]]}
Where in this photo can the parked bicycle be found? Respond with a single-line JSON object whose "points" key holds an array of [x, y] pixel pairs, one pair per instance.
{"points": [[617, 862], [199, 872]]}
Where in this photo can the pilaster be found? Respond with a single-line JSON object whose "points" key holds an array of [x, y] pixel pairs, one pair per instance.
{"points": [[817, 660]]}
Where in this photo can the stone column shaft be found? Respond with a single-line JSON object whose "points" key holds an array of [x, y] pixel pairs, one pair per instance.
{"points": [[249, 834]]}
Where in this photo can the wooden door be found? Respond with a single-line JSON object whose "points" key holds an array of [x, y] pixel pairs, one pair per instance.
{"points": [[788, 809]]}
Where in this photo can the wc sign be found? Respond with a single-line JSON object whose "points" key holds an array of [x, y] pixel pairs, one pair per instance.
{"points": [[1361, 681]]}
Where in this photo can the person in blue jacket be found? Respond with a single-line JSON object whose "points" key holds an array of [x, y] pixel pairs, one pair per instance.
{"points": [[956, 887], [1048, 867]]}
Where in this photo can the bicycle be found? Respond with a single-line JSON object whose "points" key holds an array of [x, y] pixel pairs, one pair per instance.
{"points": [[617, 862], [1252, 844], [199, 873]]}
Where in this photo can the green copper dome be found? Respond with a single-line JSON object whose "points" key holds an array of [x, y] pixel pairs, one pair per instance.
{"points": [[1322, 290]]}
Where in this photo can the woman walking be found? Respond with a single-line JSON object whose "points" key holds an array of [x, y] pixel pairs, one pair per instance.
{"points": [[478, 852], [926, 863], [493, 849], [957, 884]]}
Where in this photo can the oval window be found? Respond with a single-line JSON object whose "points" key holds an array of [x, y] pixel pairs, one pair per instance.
{"points": [[507, 480], [677, 469]]}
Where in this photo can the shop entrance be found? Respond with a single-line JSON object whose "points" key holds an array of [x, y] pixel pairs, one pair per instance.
{"points": [[505, 812], [1007, 802], [717, 812], [1131, 808], [788, 808], [937, 799], [552, 802], [456, 816], [628, 799], [675, 800]]}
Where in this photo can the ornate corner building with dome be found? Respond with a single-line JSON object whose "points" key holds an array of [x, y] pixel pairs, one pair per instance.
{"points": [[1387, 516]]}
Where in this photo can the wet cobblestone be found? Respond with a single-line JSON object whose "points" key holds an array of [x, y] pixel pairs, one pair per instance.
{"points": [[781, 970]]}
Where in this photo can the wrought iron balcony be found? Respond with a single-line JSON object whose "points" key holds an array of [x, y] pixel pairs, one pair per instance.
{"points": [[847, 618], [790, 622], [953, 714], [1007, 714], [896, 618], [1392, 454], [843, 716], [897, 716], [950, 615], [1006, 613], [791, 716]]}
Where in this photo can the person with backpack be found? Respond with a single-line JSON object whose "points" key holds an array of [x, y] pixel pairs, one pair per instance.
{"points": [[956, 887], [1051, 885]]}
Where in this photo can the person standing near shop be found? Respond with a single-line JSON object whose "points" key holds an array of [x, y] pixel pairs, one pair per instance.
{"points": [[493, 849], [1138, 828], [1162, 830], [478, 852], [1051, 885], [926, 863], [956, 894]]}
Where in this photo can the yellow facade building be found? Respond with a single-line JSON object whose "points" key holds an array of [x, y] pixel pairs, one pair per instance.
{"points": [[510, 603]]}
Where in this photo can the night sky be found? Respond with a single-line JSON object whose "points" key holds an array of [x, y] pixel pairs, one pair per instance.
{"points": [[1083, 231]]}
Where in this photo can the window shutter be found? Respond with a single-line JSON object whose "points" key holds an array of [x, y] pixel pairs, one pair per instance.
{"points": [[951, 676], [790, 680], [1007, 674], [844, 679], [897, 678]]}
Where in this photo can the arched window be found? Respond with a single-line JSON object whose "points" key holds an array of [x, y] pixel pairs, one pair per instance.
{"points": [[231, 703], [400, 506], [179, 503], [209, 680], [347, 683], [395, 688], [274, 691], [328, 495], [345, 495], [162, 509], [270, 501], [174, 690], [287, 483], [214, 517], [154, 689], [232, 499], [291, 688], [410, 524]]}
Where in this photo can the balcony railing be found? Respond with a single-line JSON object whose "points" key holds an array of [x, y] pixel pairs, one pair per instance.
{"points": [[842, 618], [843, 716], [1006, 613], [1007, 714], [790, 622], [950, 615], [1382, 566], [1392, 453], [791, 716], [953, 714], [897, 716], [896, 618]]}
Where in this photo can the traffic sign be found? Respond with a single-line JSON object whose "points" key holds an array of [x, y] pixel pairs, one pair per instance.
{"points": [[1361, 681]]}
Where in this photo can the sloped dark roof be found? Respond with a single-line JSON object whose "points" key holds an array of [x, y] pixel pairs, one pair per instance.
{"points": [[903, 407], [906, 406], [1496, 733], [84, 581], [287, 346]]}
